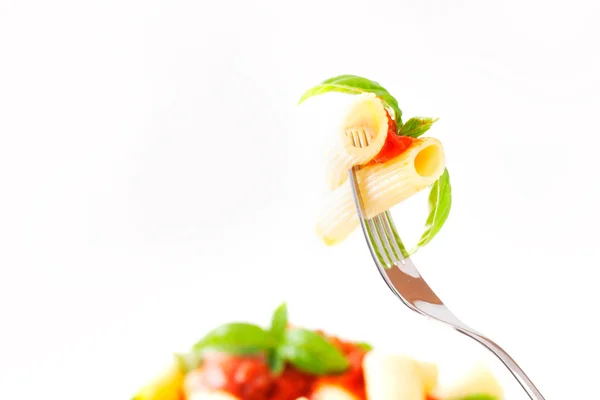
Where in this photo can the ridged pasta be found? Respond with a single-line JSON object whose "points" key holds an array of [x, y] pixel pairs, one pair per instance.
{"points": [[382, 186], [367, 120]]}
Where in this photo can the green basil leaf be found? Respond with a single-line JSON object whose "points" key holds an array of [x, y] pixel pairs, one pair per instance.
{"points": [[479, 397], [312, 353], [364, 346], [353, 84], [416, 126], [237, 338], [276, 362], [279, 322], [440, 201]]}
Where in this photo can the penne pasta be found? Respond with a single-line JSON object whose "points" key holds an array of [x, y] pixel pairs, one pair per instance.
{"points": [[480, 381], [382, 186], [392, 377], [166, 386], [317, 366], [367, 120], [429, 375], [332, 392]]}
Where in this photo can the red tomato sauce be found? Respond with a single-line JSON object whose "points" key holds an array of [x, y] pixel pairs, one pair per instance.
{"points": [[244, 377], [353, 380], [394, 144], [249, 377]]}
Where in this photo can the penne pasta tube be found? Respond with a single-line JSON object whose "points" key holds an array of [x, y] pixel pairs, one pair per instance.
{"points": [[332, 392], [392, 377], [382, 186], [429, 375], [367, 120], [166, 386], [480, 381]]}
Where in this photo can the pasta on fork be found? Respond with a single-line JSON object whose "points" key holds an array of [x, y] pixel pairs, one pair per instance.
{"points": [[382, 186], [393, 161], [245, 361], [366, 121]]}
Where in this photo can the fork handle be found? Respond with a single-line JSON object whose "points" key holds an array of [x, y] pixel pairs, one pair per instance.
{"points": [[513, 367]]}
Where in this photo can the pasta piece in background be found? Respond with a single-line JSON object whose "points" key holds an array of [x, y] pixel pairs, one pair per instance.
{"points": [[392, 377], [166, 386], [429, 375], [382, 186], [480, 381], [332, 392], [366, 119], [311, 369]]}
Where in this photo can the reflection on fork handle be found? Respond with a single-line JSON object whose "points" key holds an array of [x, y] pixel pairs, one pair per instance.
{"points": [[405, 281], [419, 297]]}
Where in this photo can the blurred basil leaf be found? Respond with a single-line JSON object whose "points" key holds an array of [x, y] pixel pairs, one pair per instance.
{"points": [[236, 338], [353, 84], [312, 353]]}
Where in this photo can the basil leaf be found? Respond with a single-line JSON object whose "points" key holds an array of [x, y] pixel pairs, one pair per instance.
{"points": [[364, 346], [276, 363], [353, 84], [279, 322], [237, 338], [312, 353], [479, 397], [416, 126], [440, 201]]}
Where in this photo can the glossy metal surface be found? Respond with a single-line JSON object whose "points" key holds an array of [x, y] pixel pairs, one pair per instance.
{"points": [[403, 278]]}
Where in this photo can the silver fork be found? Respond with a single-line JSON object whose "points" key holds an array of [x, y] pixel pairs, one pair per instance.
{"points": [[404, 280]]}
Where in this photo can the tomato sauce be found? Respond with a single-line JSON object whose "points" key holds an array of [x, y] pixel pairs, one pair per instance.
{"points": [[353, 380], [249, 377], [244, 377], [291, 385], [394, 144]]}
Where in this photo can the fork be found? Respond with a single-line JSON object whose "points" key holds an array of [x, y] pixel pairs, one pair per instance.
{"points": [[405, 281]]}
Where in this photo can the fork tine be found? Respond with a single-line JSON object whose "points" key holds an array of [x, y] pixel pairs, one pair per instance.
{"points": [[372, 227], [364, 139], [385, 241], [377, 239], [359, 138], [394, 238], [368, 227], [404, 253], [390, 239]]}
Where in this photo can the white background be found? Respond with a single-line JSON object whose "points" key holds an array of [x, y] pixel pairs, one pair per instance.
{"points": [[156, 179]]}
